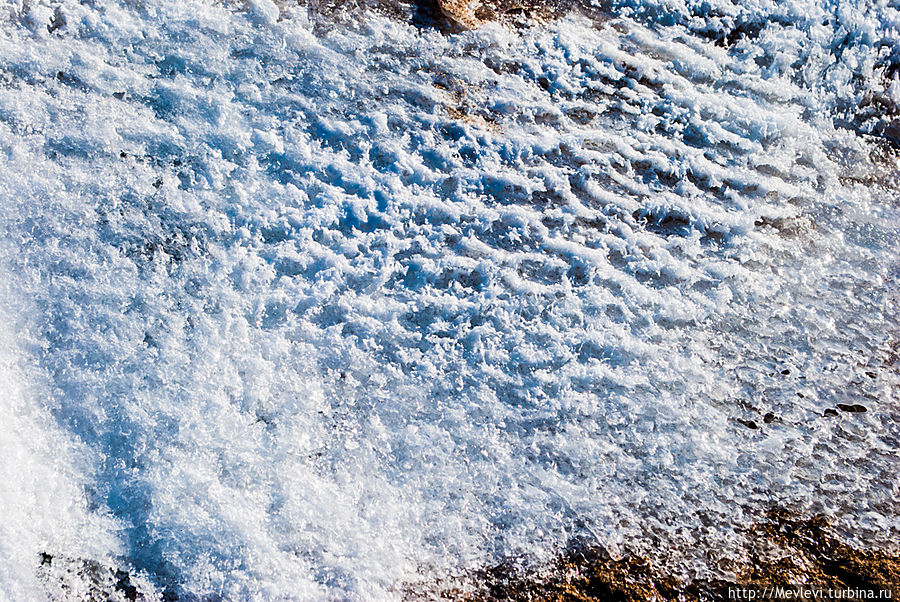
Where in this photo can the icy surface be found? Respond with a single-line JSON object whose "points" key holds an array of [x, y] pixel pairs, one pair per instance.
{"points": [[306, 304]]}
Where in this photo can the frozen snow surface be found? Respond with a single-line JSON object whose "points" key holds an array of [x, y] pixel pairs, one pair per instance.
{"points": [[331, 302]]}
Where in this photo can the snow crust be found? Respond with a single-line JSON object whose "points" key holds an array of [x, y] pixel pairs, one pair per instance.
{"points": [[308, 310]]}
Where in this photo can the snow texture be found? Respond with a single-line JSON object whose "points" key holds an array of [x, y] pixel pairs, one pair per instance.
{"points": [[305, 305]]}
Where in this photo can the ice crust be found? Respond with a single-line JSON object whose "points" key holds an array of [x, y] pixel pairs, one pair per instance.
{"points": [[299, 310]]}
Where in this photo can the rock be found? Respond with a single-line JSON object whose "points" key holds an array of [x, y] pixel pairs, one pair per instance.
{"points": [[804, 550], [852, 408], [460, 12]]}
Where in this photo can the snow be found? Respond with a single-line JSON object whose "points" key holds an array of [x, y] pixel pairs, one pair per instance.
{"points": [[300, 308]]}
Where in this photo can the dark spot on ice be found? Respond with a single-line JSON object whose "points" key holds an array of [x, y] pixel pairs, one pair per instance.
{"points": [[119, 95], [123, 155], [578, 275], [46, 559], [800, 395], [769, 418], [749, 30], [663, 222], [158, 183], [123, 584], [59, 20], [170, 595], [872, 374], [852, 408], [830, 412], [749, 424], [580, 115]]}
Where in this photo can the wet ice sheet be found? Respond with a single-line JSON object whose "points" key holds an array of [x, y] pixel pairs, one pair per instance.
{"points": [[315, 311]]}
